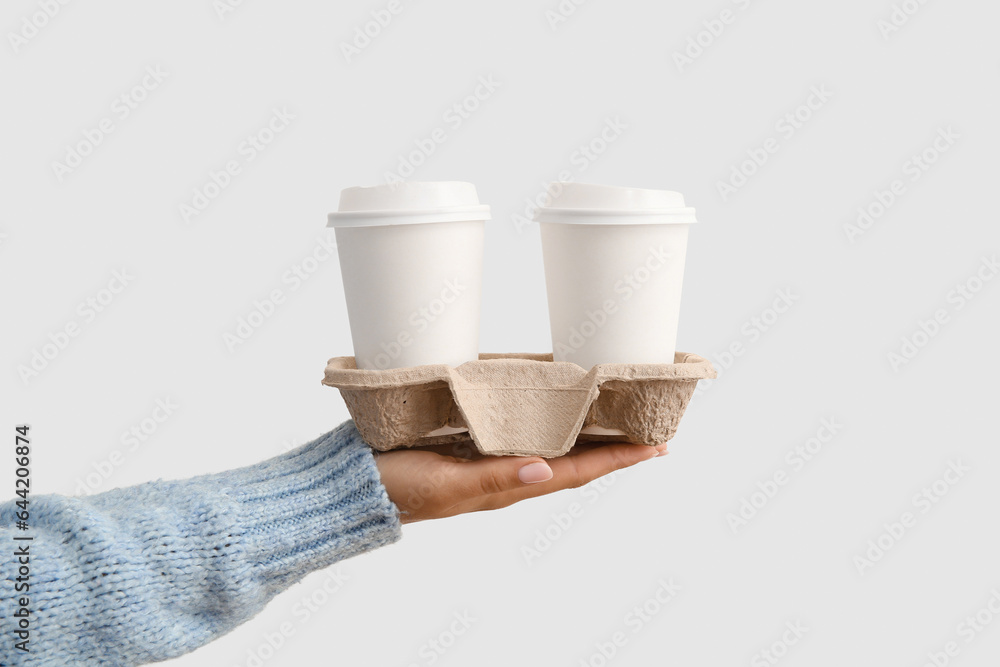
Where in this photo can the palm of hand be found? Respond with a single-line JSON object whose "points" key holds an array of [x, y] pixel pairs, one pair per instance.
{"points": [[434, 482]]}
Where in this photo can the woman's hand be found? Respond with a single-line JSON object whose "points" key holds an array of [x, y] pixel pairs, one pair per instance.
{"points": [[432, 483]]}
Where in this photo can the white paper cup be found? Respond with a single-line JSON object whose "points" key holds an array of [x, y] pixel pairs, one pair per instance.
{"points": [[614, 268], [411, 256]]}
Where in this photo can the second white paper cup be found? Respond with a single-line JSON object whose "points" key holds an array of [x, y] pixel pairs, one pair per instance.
{"points": [[411, 257], [614, 269]]}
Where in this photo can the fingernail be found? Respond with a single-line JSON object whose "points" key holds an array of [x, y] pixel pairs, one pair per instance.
{"points": [[663, 453], [652, 453], [533, 473]]}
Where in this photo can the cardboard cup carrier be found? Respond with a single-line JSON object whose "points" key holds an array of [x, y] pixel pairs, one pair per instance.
{"points": [[614, 261], [517, 404]]}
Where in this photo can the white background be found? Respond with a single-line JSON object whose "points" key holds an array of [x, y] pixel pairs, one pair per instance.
{"points": [[688, 127]]}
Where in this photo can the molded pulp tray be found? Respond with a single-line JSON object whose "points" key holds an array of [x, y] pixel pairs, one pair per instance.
{"points": [[518, 404]]}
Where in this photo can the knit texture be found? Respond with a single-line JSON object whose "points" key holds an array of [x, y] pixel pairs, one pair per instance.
{"points": [[151, 572]]}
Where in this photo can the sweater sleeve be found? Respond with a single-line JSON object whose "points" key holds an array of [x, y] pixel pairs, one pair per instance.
{"points": [[151, 572]]}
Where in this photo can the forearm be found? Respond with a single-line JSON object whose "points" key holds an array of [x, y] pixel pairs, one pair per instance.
{"points": [[154, 571]]}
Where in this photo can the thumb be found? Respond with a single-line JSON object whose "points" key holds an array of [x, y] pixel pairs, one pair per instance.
{"points": [[497, 474]]}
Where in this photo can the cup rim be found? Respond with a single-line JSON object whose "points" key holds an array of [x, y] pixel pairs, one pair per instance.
{"points": [[389, 217], [594, 216]]}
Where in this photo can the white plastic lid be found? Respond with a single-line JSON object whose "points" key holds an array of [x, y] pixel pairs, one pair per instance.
{"points": [[408, 203], [587, 204]]}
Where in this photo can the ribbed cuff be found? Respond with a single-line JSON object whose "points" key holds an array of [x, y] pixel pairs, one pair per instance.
{"points": [[312, 507]]}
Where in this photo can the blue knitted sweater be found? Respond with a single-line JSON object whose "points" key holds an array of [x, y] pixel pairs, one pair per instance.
{"points": [[151, 572]]}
